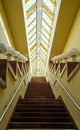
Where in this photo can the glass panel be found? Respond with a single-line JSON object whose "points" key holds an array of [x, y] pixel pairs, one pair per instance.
{"points": [[30, 19], [47, 38], [32, 36], [43, 51], [43, 55], [46, 18], [31, 40], [45, 30], [33, 51], [33, 63], [29, 4], [47, 13], [33, 54], [45, 33], [33, 57], [32, 33], [49, 4], [46, 41], [45, 25], [34, 42], [29, 15], [31, 26]]}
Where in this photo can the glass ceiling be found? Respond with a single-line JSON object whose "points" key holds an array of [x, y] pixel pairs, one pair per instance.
{"points": [[40, 23]]}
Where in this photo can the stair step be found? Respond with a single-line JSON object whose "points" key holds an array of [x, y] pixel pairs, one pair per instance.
{"points": [[40, 114], [37, 100], [41, 125], [39, 129], [41, 101], [38, 105], [37, 97], [40, 119], [36, 108]]}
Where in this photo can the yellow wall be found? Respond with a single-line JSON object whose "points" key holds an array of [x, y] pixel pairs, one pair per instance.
{"points": [[3, 16], [73, 40], [72, 87]]}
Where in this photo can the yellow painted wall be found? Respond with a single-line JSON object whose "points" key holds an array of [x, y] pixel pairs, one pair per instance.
{"points": [[73, 40], [72, 86], [3, 16]]}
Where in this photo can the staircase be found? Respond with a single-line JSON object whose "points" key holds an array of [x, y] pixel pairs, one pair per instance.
{"points": [[40, 110]]}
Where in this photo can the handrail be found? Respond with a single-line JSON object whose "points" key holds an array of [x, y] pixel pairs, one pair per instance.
{"points": [[74, 102], [2, 116]]}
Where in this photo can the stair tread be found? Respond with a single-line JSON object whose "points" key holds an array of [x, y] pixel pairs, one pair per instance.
{"points": [[42, 112], [40, 119], [42, 122], [41, 125], [41, 116], [41, 129], [37, 108]]}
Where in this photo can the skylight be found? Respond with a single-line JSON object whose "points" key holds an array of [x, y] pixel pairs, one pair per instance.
{"points": [[41, 18]]}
